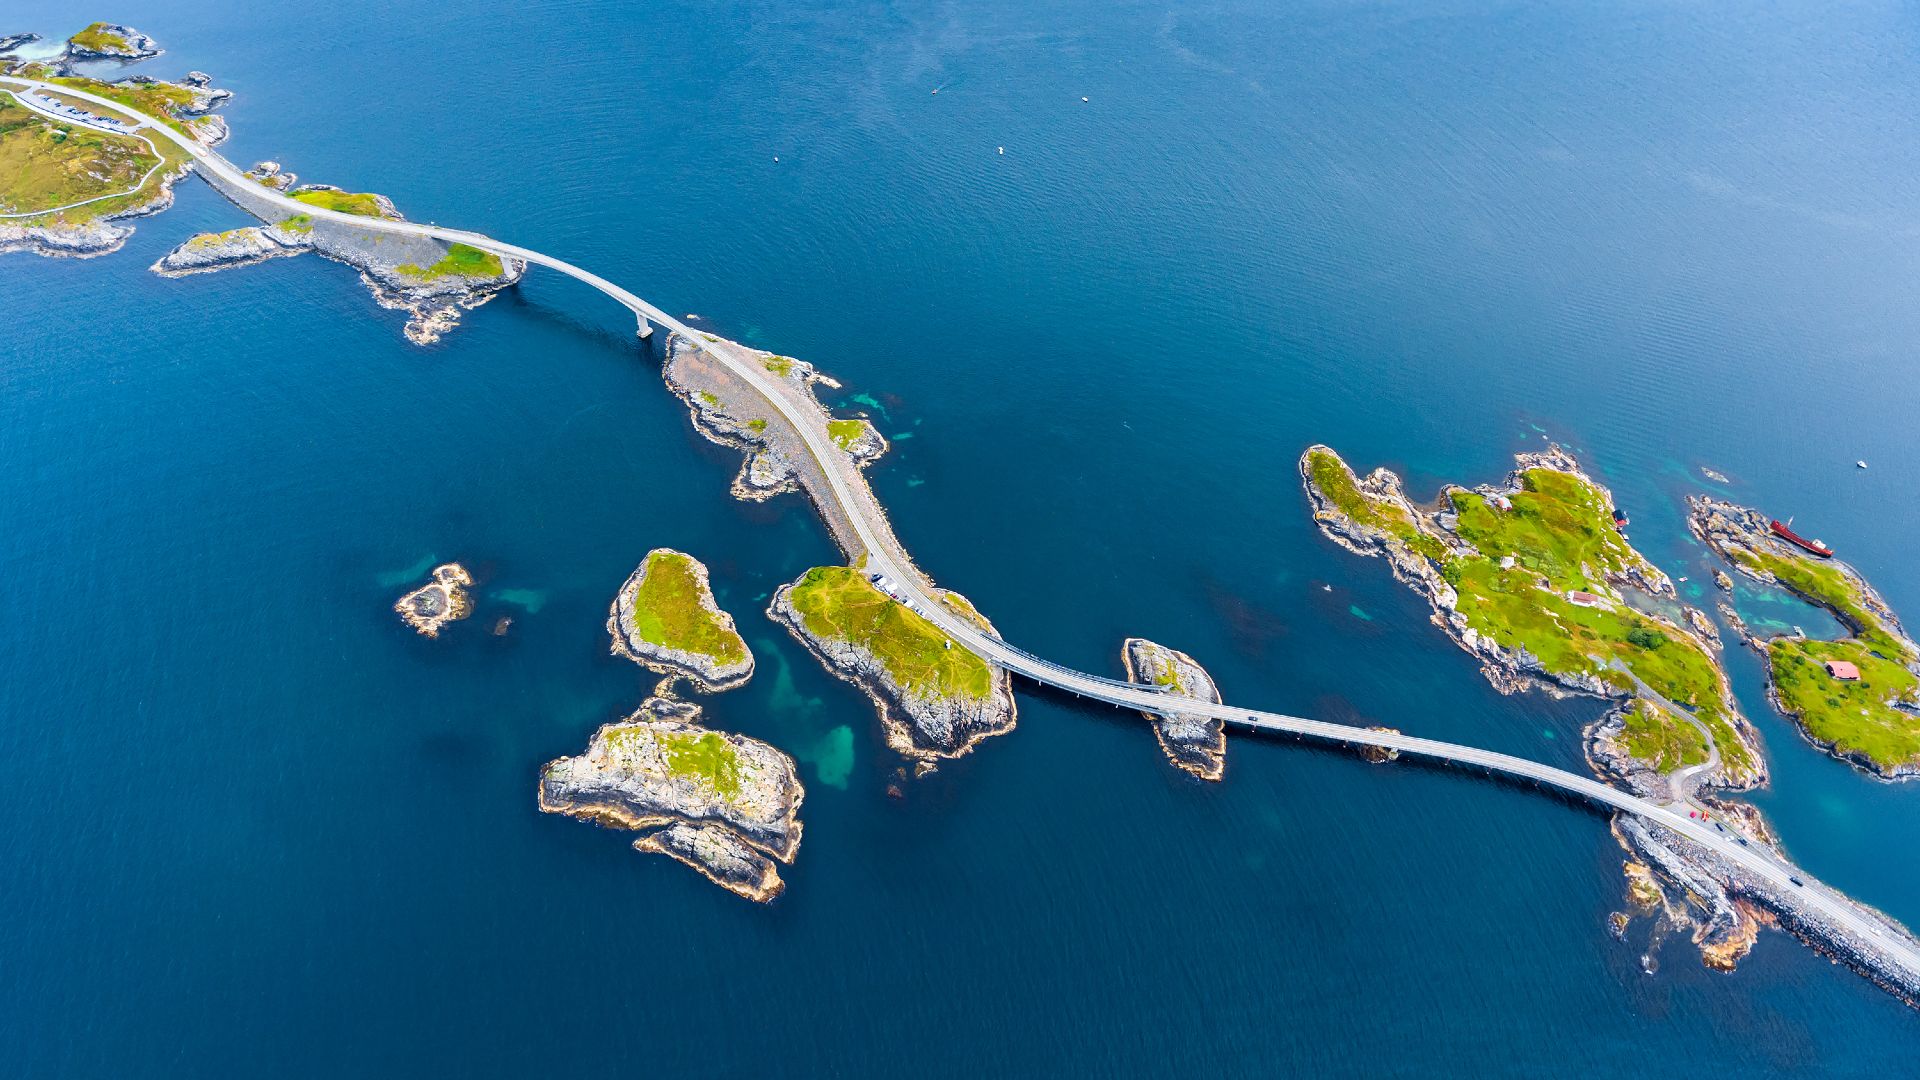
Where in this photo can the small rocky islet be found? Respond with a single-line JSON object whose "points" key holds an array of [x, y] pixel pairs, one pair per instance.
{"points": [[665, 619], [442, 600], [1857, 697], [724, 804], [1195, 744]]}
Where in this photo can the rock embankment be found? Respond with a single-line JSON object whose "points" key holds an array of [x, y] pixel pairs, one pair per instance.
{"points": [[1726, 907], [1195, 744], [935, 699], [724, 804], [439, 602], [728, 411], [665, 619]]}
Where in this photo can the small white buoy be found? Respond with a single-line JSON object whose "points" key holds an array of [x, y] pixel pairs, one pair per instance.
{"points": [[1860, 464], [776, 159], [1083, 99], [1002, 149]]}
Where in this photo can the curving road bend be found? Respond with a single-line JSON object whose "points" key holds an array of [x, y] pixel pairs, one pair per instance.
{"points": [[884, 555]]}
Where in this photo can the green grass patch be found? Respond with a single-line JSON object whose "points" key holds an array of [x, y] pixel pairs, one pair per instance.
{"points": [[670, 611], [459, 261], [710, 399], [298, 223], [839, 602], [360, 203], [707, 758], [46, 164], [779, 365], [1856, 716], [845, 433], [1824, 584], [756, 426], [1334, 480], [96, 38], [1668, 742]]}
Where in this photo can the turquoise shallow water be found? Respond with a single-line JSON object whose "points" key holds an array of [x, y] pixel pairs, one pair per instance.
{"points": [[253, 824]]}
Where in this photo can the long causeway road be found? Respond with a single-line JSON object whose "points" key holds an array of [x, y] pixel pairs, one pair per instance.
{"points": [[885, 555]]}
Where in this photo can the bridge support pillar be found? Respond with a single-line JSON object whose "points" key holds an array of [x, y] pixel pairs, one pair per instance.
{"points": [[646, 328]]}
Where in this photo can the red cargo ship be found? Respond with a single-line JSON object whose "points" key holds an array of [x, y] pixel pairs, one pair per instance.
{"points": [[1801, 542]]}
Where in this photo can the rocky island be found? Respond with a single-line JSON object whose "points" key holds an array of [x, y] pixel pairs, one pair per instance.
{"points": [[438, 602], [111, 41], [936, 700], [1194, 744], [732, 413], [723, 804], [1859, 697], [433, 282], [666, 620]]}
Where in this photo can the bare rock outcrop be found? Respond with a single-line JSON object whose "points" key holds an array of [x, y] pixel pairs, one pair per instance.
{"points": [[439, 602], [1194, 743]]}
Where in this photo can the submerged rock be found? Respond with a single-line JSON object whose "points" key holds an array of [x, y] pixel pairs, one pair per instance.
{"points": [[724, 804], [666, 620], [1194, 743], [935, 699], [438, 602], [1380, 755]]}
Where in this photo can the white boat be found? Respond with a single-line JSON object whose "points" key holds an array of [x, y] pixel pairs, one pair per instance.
{"points": [[1859, 464]]}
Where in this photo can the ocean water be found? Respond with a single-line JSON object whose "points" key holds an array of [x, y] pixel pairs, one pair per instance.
{"points": [[255, 826]]}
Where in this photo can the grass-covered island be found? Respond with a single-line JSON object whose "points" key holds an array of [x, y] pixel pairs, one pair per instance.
{"points": [[1858, 697], [936, 699], [724, 804], [666, 619], [1194, 744], [1536, 581]]}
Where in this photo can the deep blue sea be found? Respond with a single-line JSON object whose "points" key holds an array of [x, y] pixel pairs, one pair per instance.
{"points": [[250, 825]]}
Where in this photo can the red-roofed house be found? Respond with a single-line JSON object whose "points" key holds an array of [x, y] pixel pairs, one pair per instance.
{"points": [[1843, 670]]}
